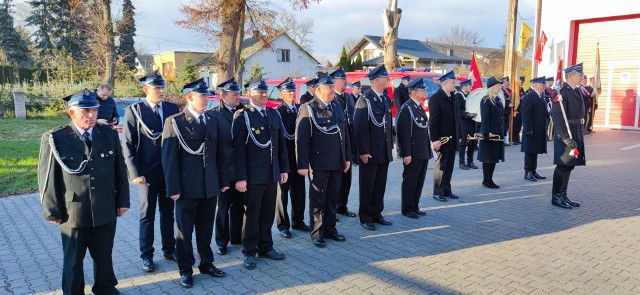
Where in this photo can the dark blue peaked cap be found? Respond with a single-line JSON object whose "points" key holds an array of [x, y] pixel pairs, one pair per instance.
{"points": [[416, 84], [447, 76], [287, 85], [257, 85], [575, 68], [356, 84], [311, 83], [492, 81], [521, 79], [83, 99], [538, 80], [230, 85], [154, 80], [466, 82], [338, 74], [406, 78], [505, 79], [197, 86], [380, 71], [325, 80]]}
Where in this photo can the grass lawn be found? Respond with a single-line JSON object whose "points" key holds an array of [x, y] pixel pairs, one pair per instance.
{"points": [[19, 147]]}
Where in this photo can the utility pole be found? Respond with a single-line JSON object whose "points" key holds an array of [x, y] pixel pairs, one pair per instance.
{"points": [[510, 57], [536, 39]]}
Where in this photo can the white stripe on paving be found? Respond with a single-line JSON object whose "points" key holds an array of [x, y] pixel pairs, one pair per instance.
{"points": [[629, 147]]}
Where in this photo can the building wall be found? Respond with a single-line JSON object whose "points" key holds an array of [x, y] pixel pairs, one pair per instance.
{"points": [[172, 62], [300, 63]]}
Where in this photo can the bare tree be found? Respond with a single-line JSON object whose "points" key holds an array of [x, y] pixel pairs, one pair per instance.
{"points": [[299, 30], [459, 35], [391, 20], [349, 44]]}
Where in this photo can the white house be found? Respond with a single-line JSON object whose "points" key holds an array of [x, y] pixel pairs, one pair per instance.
{"points": [[575, 28]]}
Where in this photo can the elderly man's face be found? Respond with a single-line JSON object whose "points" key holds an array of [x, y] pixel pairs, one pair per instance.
{"points": [[258, 99], [83, 118]]}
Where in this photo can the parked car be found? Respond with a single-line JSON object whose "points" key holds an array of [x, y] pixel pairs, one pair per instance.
{"points": [[121, 104], [274, 94], [214, 101]]}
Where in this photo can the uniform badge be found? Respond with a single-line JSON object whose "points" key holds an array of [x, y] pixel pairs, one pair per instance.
{"points": [[288, 110], [86, 92], [375, 99], [261, 128], [258, 132], [110, 152], [101, 155]]}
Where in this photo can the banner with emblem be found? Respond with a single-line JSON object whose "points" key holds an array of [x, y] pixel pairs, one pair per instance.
{"points": [[474, 73], [542, 42], [525, 33]]}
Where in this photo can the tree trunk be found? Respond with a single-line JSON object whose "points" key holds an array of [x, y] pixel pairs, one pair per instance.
{"points": [[239, 60], [228, 54], [391, 20], [110, 66]]}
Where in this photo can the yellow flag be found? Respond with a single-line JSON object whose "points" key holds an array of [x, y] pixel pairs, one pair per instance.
{"points": [[525, 32]]}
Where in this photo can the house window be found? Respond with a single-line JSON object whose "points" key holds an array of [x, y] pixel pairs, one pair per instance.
{"points": [[283, 55]]}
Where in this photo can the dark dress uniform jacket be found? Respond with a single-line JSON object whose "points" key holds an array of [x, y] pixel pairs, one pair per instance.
{"points": [[412, 139], [306, 97], [444, 117], [143, 154], [467, 124], [371, 139], [258, 165], [315, 149], [183, 174], [574, 107], [288, 118], [534, 119], [225, 118], [400, 95], [492, 122], [91, 197]]}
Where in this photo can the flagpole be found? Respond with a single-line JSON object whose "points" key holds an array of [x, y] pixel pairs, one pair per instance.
{"points": [[536, 39], [510, 53]]}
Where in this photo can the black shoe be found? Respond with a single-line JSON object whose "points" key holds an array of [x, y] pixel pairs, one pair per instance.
{"points": [[273, 255], [472, 165], [566, 199], [516, 143], [347, 213], [285, 233], [463, 166], [147, 265], [221, 250], [452, 196], [302, 227], [369, 226], [250, 262], [490, 184], [213, 271], [338, 237], [557, 200], [383, 221], [411, 215], [439, 198], [537, 176], [421, 213], [529, 176], [320, 243], [186, 280], [170, 256]]}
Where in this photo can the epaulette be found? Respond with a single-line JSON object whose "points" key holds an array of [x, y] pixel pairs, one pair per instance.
{"points": [[57, 128], [239, 112]]}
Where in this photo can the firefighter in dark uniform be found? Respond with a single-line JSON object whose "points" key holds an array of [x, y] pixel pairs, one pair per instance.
{"points": [[230, 213], [372, 128], [534, 127], [261, 162], [83, 186], [307, 96], [348, 104], [295, 186], [443, 125], [491, 147], [401, 93], [195, 177], [568, 144], [413, 148], [324, 154], [141, 142], [467, 127], [356, 88], [508, 105], [550, 93]]}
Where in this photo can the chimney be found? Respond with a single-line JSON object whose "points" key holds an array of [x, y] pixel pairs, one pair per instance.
{"points": [[450, 52]]}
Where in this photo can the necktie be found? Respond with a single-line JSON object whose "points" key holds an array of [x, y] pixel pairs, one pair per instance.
{"points": [[157, 107], [264, 113], [233, 110], [87, 139], [201, 120]]}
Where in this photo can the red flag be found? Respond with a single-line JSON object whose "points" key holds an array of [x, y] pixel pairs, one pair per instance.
{"points": [[559, 74], [542, 42], [474, 73]]}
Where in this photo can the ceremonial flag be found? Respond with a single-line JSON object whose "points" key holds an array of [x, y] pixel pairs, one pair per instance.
{"points": [[541, 43], [525, 32], [474, 73], [558, 83], [597, 87]]}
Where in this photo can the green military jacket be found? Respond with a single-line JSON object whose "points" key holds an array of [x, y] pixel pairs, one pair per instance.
{"points": [[82, 187]]}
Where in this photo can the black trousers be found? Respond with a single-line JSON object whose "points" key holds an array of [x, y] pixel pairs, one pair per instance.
{"points": [[517, 127], [324, 189], [345, 188], [99, 241], [294, 188], [260, 210], [561, 176], [487, 172], [373, 182], [530, 162], [468, 150], [195, 214], [443, 169], [152, 196], [412, 182], [229, 217]]}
